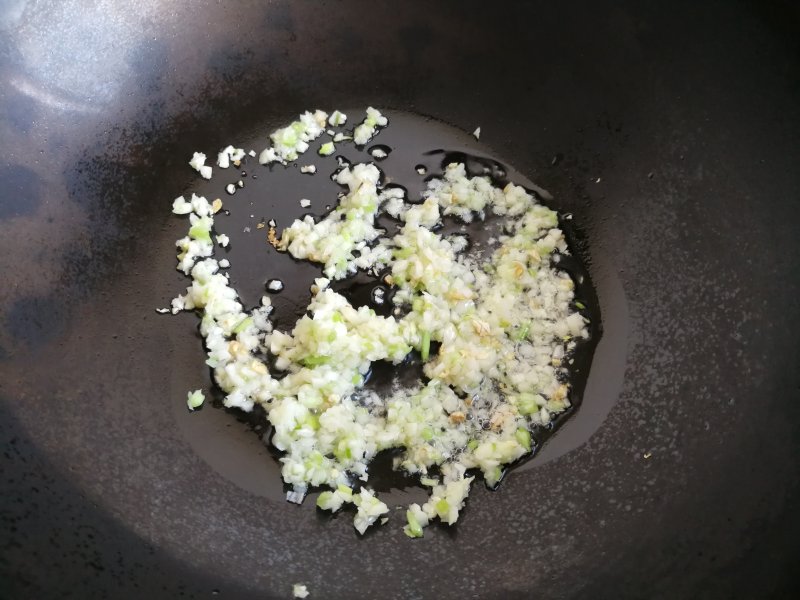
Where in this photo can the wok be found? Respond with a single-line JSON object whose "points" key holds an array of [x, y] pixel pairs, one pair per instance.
{"points": [[669, 130]]}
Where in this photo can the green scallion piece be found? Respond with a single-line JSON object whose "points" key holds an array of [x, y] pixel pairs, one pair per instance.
{"points": [[242, 325], [425, 346], [195, 399]]}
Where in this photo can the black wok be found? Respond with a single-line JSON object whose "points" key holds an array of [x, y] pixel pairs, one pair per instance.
{"points": [[670, 130]]}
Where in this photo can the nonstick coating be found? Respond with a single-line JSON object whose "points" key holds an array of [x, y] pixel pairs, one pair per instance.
{"points": [[672, 132]]}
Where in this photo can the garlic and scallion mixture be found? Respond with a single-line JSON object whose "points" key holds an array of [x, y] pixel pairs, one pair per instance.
{"points": [[493, 331]]}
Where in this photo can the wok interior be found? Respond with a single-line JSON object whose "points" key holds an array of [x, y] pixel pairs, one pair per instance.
{"points": [[670, 134]]}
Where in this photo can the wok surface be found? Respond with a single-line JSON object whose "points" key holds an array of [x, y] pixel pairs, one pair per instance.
{"points": [[676, 133]]}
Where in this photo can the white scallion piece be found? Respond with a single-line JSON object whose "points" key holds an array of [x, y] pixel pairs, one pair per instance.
{"points": [[296, 496], [181, 207], [378, 153], [367, 129], [198, 163], [224, 157], [299, 590], [337, 119]]}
